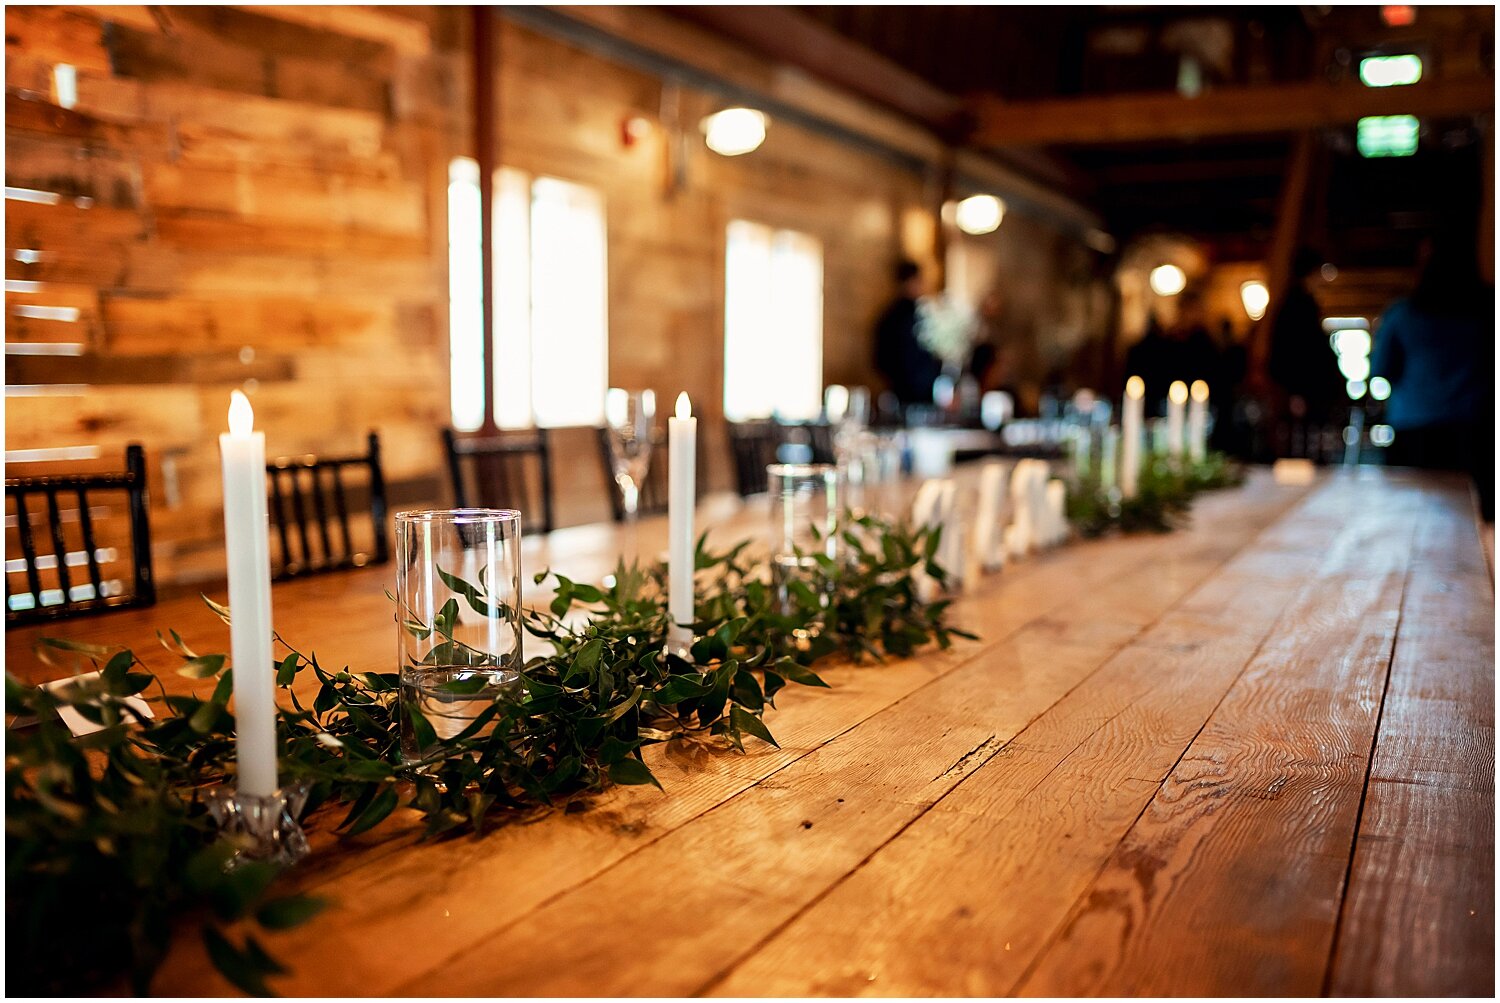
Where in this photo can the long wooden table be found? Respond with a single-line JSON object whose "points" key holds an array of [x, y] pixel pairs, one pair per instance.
{"points": [[1252, 757]]}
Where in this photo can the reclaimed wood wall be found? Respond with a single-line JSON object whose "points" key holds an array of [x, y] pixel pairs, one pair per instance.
{"points": [[255, 197], [241, 200]]}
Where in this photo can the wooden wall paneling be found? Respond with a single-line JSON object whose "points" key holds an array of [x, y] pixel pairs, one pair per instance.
{"points": [[256, 197]]}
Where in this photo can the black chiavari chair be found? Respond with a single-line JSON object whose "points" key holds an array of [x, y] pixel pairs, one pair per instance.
{"points": [[505, 470], [49, 592], [315, 514], [754, 445]]}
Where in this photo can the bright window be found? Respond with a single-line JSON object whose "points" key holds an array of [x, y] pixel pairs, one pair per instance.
{"points": [[551, 305], [1390, 71], [773, 323], [1387, 135]]}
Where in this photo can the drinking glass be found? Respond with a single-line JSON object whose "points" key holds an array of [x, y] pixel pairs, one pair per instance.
{"points": [[458, 616], [629, 416], [805, 502]]}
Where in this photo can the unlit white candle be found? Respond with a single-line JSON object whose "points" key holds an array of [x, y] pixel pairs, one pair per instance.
{"points": [[1177, 395], [247, 546], [1109, 451], [1131, 417], [1198, 421], [682, 457]]}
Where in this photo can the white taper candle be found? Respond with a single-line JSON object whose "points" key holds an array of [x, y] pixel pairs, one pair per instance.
{"points": [[247, 545], [1109, 458], [682, 450], [1198, 421], [1177, 395], [1131, 416]]}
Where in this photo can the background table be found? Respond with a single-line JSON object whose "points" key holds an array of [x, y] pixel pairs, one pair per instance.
{"points": [[1255, 756]]}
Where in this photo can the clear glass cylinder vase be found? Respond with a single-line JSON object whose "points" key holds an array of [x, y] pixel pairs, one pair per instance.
{"points": [[458, 615], [806, 502]]}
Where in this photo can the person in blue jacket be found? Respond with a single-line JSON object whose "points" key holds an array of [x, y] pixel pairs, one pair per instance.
{"points": [[1437, 349]]}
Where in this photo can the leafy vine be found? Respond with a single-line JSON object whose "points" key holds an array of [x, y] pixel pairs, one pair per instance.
{"points": [[118, 820]]}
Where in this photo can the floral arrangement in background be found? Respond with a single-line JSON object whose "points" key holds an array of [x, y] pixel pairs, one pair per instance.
{"points": [[945, 327]]}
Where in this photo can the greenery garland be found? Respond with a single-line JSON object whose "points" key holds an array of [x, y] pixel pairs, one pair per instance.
{"points": [[1164, 495], [117, 819]]}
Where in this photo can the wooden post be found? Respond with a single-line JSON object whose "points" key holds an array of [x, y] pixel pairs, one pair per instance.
{"points": [[940, 231], [1284, 243], [484, 154]]}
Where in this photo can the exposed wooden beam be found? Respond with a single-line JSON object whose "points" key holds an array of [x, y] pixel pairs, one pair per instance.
{"points": [[678, 49], [1178, 172], [1237, 111], [794, 38], [405, 35]]}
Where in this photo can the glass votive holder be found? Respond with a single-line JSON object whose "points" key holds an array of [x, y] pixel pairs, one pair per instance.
{"points": [[458, 617], [805, 506]]}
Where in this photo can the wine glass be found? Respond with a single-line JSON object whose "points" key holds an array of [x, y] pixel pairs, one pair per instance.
{"points": [[629, 416]]}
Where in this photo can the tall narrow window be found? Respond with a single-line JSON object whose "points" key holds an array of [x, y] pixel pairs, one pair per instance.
{"points": [[773, 323], [550, 365], [465, 297]]}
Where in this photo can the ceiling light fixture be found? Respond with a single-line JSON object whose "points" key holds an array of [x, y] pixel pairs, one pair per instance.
{"points": [[1256, 298], [979, 214], [1168, 280], [734, 131]]}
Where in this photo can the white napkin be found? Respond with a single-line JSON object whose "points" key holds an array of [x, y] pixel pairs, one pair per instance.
{"points": [[1057, 511], [1024, 533], [989, 535]]}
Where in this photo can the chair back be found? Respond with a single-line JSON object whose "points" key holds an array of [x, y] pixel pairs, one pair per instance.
{"points": [[506, 470], [754, 445], [315, 507], [653, 492], [60, 513]]}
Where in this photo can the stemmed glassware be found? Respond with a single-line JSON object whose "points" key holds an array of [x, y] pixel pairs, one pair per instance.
{"points": [[629, 417]]}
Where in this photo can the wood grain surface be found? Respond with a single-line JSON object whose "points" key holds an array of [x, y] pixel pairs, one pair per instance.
{"points": [[1252, 756]]}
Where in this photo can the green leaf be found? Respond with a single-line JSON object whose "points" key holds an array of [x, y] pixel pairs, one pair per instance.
{"points": [[245, 972], [747, 722], [446, 619], [286, 673], [632, 771], [206, 716], [225, 689], [288, 911], [680, 688], [586, 662], [202, 667], [80, 647], [422, 730], [221, 611], [746, 691], [380, 806], [797, 673]]}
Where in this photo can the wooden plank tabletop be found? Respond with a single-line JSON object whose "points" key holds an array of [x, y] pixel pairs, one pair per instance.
{"points": [[1252, 756]]}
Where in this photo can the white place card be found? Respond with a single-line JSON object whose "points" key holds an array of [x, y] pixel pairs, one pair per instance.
{"points": [[76, 722]]}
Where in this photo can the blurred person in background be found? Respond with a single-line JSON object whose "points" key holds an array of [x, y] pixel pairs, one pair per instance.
{"points": [[1185, 351], [1437, 349], [1302, 363], [900, 356]]}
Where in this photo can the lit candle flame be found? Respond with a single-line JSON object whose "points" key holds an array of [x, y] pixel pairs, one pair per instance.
{"points": [[1200, 390], [1178, 391], [241, 415], [1135, 387], [684, 408]]}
